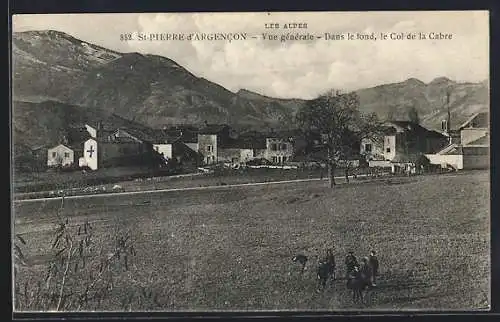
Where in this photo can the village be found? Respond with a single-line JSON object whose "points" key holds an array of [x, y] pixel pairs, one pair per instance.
{"points": [[402, 146], [334, 174]]}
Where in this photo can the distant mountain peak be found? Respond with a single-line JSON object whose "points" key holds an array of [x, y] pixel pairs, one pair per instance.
{"points": [[441, 80], [415, 81], [47, 33], [155, 90]]}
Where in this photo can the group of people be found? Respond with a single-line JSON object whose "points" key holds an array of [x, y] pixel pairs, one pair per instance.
{"points": [[366, 270]]}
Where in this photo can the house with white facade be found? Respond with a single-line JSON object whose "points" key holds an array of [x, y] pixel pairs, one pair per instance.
{"points": [[473, 150], [60, 156]]}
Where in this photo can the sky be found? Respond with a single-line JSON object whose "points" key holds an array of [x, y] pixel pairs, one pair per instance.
{"points": [[295, 68]]}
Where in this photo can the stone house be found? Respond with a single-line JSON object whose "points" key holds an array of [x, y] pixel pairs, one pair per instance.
{"points": [[60, 156], [473, 150]]}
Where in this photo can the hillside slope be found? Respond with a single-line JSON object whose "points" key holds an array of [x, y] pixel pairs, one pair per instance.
{"points": [[393, 101], [150, 89], [155, 91], [36, 125]]}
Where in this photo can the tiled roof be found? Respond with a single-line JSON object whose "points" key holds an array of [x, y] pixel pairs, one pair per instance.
{"points": [[450, 149], [478, 120], [142, 135], [412, 127]]}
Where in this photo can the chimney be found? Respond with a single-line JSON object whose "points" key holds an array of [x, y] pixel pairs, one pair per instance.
{"points": [[98, 130], [448, 121], [444, 126]]}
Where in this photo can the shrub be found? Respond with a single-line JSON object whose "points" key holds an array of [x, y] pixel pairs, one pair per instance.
{"points": [[80, 275]]}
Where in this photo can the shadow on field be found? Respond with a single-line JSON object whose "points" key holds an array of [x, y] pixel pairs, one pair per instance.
{"points": [[402, 288]]}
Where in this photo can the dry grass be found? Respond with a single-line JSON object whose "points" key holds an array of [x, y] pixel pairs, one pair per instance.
{"points": [[231, 249]]}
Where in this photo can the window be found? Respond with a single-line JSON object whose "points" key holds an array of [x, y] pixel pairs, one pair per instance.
{"points": [[66, 154], [210, 148], [388, 150], [283, 146], [368, 147], [54, 154], [273, 147], [275, 159]]}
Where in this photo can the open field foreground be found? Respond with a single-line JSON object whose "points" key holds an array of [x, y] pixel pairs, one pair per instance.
{"points": [[231, 249]]}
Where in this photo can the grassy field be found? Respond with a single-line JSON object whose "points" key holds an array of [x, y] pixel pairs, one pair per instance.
{"points": [[231, 249], [219, 178], [53, 180], [136, 179]]}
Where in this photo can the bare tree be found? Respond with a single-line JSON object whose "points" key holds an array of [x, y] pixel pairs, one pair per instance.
{"points": [[337, 118]]}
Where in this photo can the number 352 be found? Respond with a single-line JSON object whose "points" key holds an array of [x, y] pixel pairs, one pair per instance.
{"points": [[126, 37]]}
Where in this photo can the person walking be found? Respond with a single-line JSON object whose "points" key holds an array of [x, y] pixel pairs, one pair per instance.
{"points": [[330, 259], [366, 271], [373, 261]]}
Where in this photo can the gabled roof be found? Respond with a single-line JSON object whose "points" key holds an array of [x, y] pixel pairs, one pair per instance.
{"points": [[447, 149], [104, 126], [117, 140], [63, 145], [451, 149], [138, 134], [478, 120], [407, 126], [484, 140]]}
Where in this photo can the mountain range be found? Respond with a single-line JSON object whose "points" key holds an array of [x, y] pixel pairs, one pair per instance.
{"points": [[58, 79]]}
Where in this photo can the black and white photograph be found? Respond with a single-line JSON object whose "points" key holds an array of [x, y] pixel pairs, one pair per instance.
{"points": [[251, 162]]}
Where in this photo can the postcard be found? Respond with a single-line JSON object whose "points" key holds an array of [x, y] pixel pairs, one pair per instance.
{"points": [[250, 162]]}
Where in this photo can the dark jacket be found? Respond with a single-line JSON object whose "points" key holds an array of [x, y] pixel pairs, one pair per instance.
{"points": [[366, 271], [351, 262], [323, 270], [373, 261]]}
